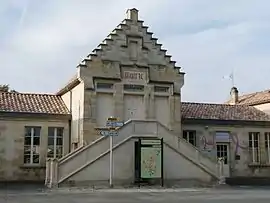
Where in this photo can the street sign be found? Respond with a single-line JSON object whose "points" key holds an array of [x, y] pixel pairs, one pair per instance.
{"points": [[118, 124], [113, 133], [114, 124], [106, 133]]}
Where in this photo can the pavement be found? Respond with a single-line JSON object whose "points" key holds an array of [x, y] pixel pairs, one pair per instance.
{"points": [[183, 195]]}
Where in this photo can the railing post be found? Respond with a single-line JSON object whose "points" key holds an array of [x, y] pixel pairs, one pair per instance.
{"points": [[54, 174], [48, 172]]}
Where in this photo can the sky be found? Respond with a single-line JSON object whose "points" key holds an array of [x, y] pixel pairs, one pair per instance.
{"points": [[42, 42]]}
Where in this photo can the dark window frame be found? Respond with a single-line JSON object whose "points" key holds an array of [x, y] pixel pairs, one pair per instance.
{"points": [[190, 136], [32, 136], [55, 142]]}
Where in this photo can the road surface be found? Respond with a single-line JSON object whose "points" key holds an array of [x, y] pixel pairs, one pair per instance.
{"points": [[241, 195]]}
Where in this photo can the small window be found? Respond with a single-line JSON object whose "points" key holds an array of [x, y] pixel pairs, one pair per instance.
{"points": [[190, 136], [104, 85], [267, 145], [161, 89], [134, 88], [222, 152], [32, 145], [254, 147], [267, 139], [254, 139], [55, 142]]}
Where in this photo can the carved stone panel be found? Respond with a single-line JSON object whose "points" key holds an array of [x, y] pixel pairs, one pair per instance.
{"points": [[133, 75]]}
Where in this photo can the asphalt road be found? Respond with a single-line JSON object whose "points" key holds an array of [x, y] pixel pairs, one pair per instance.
{"points": [[242, 195]]}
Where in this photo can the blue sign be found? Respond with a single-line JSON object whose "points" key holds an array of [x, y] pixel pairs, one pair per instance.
{"points": [[104, 133], [108, 133], [113, 133], [114, 124]]}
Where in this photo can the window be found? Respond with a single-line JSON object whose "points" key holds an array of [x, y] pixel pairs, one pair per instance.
{"points": [[32, 145], [104, 85], [267, 145], [190, 136], [55, 142], [161, 89], [133, 88], [222, 152], [254, 147]]}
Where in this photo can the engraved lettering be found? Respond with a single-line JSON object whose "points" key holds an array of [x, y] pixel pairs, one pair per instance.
{"points": [[133, 75]]}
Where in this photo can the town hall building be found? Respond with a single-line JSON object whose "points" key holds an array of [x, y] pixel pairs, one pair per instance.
{"points": [[57, 138]]}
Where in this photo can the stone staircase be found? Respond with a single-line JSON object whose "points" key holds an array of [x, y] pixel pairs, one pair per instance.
{"points": [[59, 171]]}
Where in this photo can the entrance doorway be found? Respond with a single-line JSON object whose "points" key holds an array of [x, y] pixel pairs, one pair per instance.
{"points": [[224, 152]]}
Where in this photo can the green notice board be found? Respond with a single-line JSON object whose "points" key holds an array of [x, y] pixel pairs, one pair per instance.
{"points": [[151, 159]]}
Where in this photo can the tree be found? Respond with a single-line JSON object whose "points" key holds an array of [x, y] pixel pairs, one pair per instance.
{"points": [[6, 88]]}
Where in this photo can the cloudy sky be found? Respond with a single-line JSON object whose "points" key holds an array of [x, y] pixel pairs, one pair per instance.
{"points": [[41, 42]]}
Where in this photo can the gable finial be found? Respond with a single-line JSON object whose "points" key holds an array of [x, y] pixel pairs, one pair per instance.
{"points": [[132, 14]]}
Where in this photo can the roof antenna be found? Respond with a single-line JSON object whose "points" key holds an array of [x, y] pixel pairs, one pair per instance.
{"points": [[232, 78]]}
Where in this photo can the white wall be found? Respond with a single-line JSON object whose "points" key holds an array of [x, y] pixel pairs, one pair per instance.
{"points": [[134, 107], [74, 100], [105, 108], [176, 168], [162, 109]]}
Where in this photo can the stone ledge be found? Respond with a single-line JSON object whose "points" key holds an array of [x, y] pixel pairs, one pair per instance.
{"points": [[259, 165], [33, 167]]}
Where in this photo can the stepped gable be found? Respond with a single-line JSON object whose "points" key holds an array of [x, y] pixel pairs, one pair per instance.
{"points": [[128, 30]]}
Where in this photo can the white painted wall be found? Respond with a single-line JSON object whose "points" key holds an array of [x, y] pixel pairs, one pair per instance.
{"points": [[105, 108], [181, 160], [134, 107], [74, 100], [175, 166], [162, 109], [67, 100], [99, 171]]}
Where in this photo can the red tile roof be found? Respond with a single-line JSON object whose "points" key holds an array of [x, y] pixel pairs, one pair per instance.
{"points": [[222, 112], [53, 104], [254, 98], [32, 103]]}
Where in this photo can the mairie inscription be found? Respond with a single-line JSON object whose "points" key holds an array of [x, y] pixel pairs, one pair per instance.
{"points": [[132, 75]]}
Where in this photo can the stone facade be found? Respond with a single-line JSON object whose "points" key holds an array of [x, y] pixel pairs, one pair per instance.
{"points": [[239, 153], [129, 55], [129, 76], [12, 143]]}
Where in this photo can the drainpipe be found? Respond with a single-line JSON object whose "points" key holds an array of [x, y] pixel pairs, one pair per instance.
{"points": [[69, 135]]}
